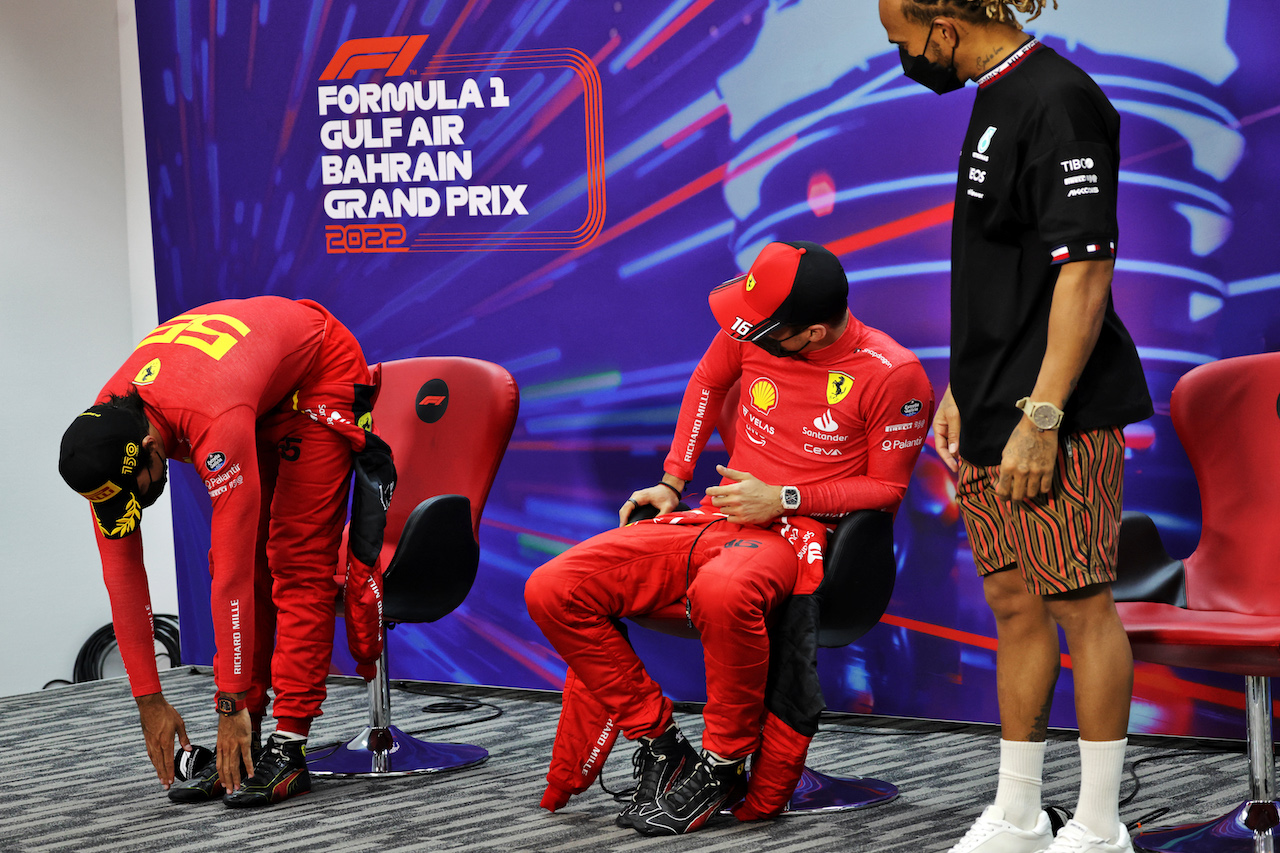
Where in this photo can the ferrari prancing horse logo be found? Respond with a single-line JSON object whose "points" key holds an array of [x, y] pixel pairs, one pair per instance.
{"points": [[838, 386]]}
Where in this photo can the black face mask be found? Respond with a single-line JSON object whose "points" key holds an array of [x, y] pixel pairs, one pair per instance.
{"points": [[156, 489], [773, 346], [928, 73]]}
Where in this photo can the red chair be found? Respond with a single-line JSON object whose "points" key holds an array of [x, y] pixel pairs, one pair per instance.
{"points": [[1226, 615], [859, 571], [448, 421]]}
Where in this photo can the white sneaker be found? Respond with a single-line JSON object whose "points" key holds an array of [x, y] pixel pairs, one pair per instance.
{"points": [[1075, 837], [991, 833]]}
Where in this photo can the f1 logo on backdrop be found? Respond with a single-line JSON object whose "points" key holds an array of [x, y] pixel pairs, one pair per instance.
{"points": [[391, 54]]}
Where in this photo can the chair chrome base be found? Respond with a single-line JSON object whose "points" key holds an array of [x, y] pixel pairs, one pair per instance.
{"points": [[818, 792], [1246, 829], [379, 752]]}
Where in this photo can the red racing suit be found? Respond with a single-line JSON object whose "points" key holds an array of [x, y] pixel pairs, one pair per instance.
{"points": [[261, 396], [843, 424]]}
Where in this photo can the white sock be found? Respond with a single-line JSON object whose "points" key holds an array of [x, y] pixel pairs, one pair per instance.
{"points": [[290, 736], [1021, 768], [1101, 766]]}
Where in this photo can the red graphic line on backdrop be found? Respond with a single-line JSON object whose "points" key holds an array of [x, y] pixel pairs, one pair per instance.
{"points": [[893, 230], [210, 113], [558, 104], [536, 658], [589, 78], [667, 32], [680, 135], [592, 445], [301, 71], [511, 528], [1183, 143], [452, 34], [1143, 676], [710, 179], [253, 46]]}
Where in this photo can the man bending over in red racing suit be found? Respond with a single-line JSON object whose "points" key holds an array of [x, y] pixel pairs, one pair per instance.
{"points": [[269, 400], [832, 415]]}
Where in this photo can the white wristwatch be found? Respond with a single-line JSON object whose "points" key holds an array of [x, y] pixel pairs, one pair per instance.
{"points": [[1045, 416], [790, 498]]}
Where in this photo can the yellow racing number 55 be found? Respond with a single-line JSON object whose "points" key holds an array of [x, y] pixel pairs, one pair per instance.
{"points": [[194, 331]]}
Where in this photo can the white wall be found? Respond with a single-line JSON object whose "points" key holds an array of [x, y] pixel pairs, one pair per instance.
{"points": [[76, 293]]}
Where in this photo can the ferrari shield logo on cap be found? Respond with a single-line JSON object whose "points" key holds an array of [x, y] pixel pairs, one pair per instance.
{"points": [[838, 386], [751, 283]]}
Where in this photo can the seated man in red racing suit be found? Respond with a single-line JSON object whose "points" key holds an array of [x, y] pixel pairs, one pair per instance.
{"points": [[269, 400], [832, 416]]}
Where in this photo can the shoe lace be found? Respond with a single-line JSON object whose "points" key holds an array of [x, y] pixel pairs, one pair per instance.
{"points": [[691, 784], [1070, 839], [980, 831], [646, 768]]}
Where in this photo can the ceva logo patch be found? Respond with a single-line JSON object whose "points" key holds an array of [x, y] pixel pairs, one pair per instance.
{"points": [[392, 54]]}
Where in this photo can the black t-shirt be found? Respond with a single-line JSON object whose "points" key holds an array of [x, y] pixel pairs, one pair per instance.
{"points": [[1037, 188]]}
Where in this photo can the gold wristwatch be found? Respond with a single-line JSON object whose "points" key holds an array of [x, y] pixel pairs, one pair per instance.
{"points": [[1045, 416]]}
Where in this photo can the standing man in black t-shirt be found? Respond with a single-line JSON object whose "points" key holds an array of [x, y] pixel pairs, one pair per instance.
{"points": [[1043, 377]]}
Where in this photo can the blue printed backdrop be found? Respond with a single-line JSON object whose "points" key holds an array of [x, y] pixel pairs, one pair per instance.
{"points": [[726, 123]]}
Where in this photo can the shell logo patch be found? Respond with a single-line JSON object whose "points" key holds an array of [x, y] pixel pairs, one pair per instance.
{"points": [[764, 394], [751, 283], [148, 373], [838, 386]]}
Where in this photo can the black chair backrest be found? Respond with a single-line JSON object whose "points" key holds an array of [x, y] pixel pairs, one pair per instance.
{"points": [[1144, 569], [435, 562], [859, 571]]}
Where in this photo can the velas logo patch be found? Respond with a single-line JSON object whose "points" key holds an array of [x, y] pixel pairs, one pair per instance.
{"points": [[431, 401], [391, 54]]}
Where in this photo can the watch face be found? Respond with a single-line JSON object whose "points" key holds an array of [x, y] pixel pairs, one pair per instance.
{"points": [[1044, 417], [791, 498]]}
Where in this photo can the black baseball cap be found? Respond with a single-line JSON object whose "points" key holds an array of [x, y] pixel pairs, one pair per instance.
{"points": [[789, 284], [99, 459]]}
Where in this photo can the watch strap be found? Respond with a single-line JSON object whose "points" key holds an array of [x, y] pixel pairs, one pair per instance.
{"points": [[1029, 407], [229, 705]]}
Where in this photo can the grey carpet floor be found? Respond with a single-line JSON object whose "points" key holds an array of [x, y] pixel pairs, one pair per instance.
{"points": [[75, 778]]}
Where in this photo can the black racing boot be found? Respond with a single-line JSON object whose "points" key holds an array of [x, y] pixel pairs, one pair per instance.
{"points": [[279, 773], [197, 772], [699, 793], [657, 762]]}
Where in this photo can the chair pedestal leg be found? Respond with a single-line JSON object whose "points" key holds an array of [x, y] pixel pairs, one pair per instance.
{"points": [[818, 792], [382, 750], [1251, 827]]}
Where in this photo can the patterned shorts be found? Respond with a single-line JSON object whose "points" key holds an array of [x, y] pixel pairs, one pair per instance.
{"points": [[1061, 541]]}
